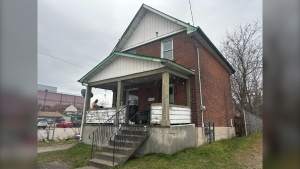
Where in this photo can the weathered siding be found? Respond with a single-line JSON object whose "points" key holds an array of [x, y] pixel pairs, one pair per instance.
{"points": [[123, 66], [147, 28], [102, 115], [178, 114]]}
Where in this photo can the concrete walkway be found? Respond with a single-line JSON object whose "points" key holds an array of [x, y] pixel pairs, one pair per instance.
{"points": [[54, 148]]}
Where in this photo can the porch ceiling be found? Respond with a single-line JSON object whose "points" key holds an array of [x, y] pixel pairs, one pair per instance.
{"points": [[133, 82]]}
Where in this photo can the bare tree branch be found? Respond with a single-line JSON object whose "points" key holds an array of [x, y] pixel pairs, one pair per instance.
{"points": [[243, 49]]}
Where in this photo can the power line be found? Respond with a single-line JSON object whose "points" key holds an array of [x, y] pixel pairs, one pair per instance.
{"points": [[61, 60], [191, 12]]}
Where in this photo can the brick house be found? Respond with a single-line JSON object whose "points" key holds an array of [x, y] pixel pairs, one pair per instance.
{"points": [[173, 74]]}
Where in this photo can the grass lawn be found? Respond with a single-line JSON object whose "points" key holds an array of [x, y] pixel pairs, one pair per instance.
{"points": [[77, 155], [230, 153], [55, 143]]}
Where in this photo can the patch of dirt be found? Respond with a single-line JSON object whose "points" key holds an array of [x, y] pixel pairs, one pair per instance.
{"points": [[55, 165], [54, 148], [252, 158]]}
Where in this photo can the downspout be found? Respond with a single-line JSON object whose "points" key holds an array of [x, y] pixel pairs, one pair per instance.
{"points": [[200, 91]]}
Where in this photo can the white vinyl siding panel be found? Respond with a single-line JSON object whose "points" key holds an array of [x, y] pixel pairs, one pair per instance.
{"points": [[178, 114], [103, 116], [147, 28], [123, 66]]}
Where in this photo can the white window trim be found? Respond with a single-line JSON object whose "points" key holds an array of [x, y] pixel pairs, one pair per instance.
{"points": [[162, 48]]}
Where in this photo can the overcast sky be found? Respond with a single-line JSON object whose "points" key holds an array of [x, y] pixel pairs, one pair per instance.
{"points": [[84, 32]]}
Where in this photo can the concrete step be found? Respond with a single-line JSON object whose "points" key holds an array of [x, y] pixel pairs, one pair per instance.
{"points": [[131, 144], [99, 163], [109, 157], [131, 132], [136, 138], [124, 150]]}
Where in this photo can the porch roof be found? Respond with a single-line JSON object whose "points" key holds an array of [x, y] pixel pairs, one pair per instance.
{"points": [[115, 55]]}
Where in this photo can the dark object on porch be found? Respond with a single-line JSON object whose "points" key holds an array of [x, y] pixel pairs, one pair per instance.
{"points": [[83, 93], [132, 111], [144, 115]]}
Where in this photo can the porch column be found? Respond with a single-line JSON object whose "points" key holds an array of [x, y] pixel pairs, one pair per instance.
{"points": [[87, 101], [119, 100], [86, 106], [165, 121], [188, 93]]}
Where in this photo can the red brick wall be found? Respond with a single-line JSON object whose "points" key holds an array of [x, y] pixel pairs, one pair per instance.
{"points": [[216, 90], [179, 91], [215, 80], [153, 89], [151, 49], [147, 90]]}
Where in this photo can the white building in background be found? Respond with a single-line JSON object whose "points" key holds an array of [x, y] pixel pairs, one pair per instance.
{"points": [[48, 88]]}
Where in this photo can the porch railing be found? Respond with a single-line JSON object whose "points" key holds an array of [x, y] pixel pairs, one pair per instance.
{"points": [[104, 132]]}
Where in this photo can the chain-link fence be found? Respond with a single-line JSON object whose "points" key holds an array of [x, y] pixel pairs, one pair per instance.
{"points": [[254, 123], [51, 133]]}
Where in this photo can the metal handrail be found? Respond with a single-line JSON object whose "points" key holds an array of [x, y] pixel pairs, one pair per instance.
{"points": [[101, 134], [122, 140]]}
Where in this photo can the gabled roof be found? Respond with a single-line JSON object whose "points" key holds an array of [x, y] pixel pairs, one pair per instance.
{"points": [[189, 28], [49, 114], [139, 16], [115, 55]]}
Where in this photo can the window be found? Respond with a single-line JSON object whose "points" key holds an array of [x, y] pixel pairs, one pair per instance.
{"points": [[167, 49]]}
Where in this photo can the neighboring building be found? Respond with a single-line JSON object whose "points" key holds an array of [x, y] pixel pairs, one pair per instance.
{"points": [[154, 69], [48, 98], [45, 87], [69, 111], [65, 109], [49, 115]]}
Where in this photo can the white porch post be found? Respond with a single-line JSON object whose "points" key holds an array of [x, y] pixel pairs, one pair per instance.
{"points": [[165, 100], [87, 101], [119, 100], [86, 106]]}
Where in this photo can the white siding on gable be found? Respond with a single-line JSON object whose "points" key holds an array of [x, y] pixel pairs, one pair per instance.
{"points": [[147, 28], [71, 108], [123, 66]]}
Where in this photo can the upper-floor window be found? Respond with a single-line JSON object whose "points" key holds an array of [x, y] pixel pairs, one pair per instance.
{"points": [[167, 49]]}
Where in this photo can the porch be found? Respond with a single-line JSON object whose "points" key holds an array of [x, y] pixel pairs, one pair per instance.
{"points": [[151, 115], [150, 96], [158, 89]]}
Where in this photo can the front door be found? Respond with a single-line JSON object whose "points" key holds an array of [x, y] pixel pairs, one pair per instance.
{"points": [[132, 102]]}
